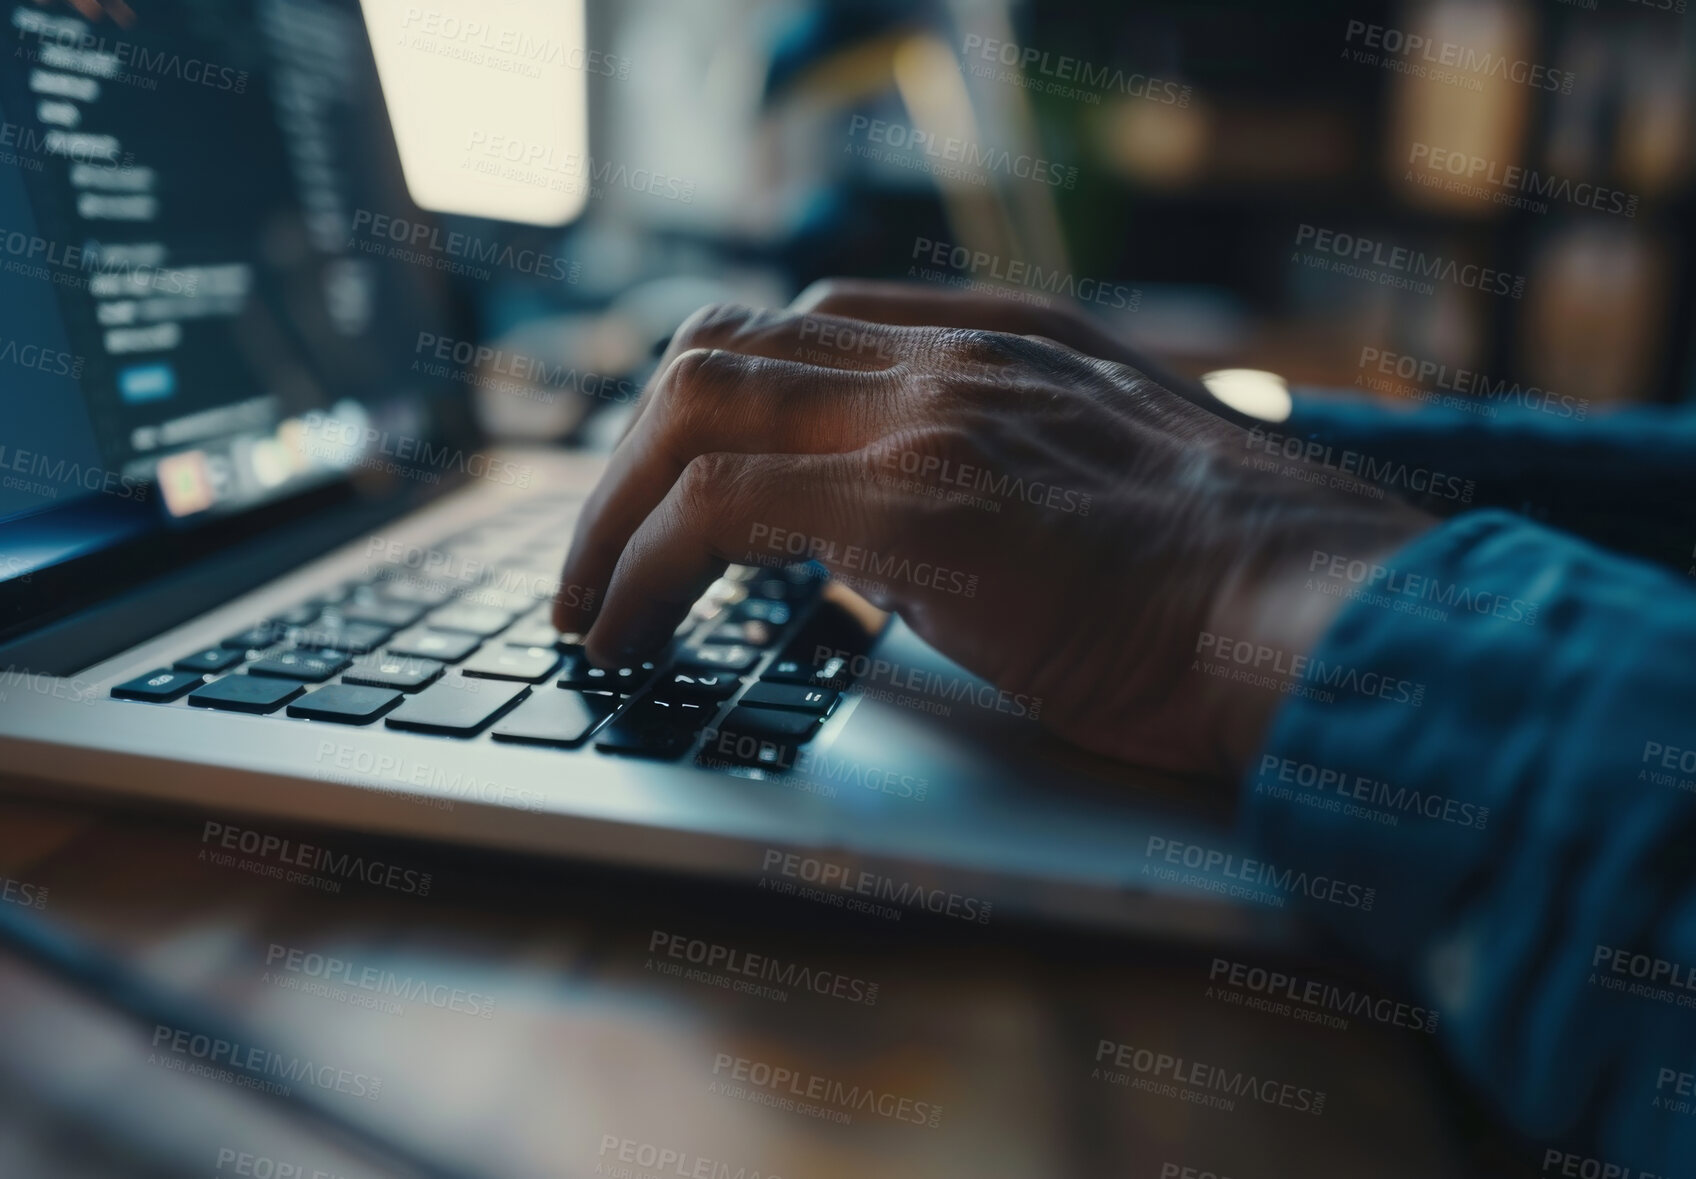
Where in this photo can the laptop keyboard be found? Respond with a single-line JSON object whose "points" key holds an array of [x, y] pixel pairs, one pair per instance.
{"points": [[456, 642]]}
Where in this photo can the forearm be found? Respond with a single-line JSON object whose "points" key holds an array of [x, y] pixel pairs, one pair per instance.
{"points": [[1518, 823]]}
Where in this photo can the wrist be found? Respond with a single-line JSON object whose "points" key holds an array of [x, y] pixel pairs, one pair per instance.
{"points": [[1275, 608]]}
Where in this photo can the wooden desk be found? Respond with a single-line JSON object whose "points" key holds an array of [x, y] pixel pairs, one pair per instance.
{"points": [[525, 1019]]}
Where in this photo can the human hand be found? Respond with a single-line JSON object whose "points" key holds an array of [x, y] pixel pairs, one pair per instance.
{"points": [[917, 304], [1060, 524]]}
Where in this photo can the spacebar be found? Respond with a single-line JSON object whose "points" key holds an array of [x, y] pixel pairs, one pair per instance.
{"points": [[456, 707]]}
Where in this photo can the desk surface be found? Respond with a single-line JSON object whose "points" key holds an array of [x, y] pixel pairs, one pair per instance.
{"points": [[529, 1019]]}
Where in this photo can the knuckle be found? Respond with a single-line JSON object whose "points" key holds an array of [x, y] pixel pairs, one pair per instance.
{"points": [[709, 484], [821, 293], [716, 324], [691, 392], [696, 375], [974, 346]]}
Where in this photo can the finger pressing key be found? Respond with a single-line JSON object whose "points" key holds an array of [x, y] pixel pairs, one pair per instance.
{"points": [[712, 402]]}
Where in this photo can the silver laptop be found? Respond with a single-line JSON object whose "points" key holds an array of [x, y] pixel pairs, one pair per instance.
{"points": [[258, 563]]}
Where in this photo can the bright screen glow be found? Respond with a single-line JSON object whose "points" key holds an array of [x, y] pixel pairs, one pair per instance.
{"points": [[489, 104]]}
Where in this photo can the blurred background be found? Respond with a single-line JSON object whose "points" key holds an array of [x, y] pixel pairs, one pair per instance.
{"points": [[1478, 203], [1173, 163]]}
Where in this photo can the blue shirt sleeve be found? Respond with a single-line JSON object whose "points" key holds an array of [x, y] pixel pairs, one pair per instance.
{"points": [[1625, 478], [1530, 824]]}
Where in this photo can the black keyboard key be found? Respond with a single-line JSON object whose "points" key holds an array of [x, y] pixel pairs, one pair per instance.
{"points": [[393, 615], [212, 660], [831, 673], [794, 697], [557, 716], [766, 737], [255, 638], [331, 596], [432, 644], [400, 673], [577, 672], [497, 662], [157, 687], [511, 601], [538, 581], [482, 621], [345, 704], [416, 593], [764, 610], [751, 632], [247, 693], [540, 633], [734, 658], [660, 729], [355, 638], [697, 685], [300, 615], [312, 667], [454, 707]]}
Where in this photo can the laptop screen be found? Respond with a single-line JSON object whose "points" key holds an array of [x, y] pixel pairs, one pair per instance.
{"points": [[200, 322]]}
